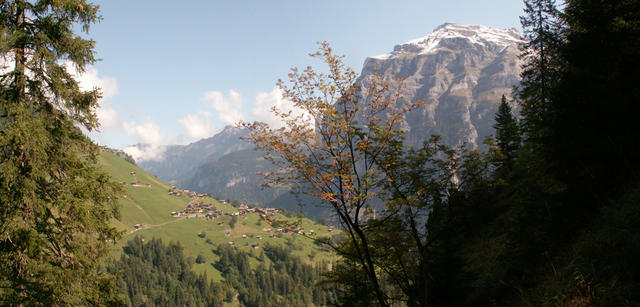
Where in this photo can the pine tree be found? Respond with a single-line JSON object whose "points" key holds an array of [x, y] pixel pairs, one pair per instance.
{"points": [[55, 202], [507, 134], [543, 30], [596, 140]]}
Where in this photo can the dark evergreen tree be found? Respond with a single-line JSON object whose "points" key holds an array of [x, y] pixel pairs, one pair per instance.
{"points": [[507, 134], [55, 202], [543, 31], [596, 141]]}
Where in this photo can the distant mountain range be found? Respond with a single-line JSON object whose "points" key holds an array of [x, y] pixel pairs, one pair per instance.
{"points": [[459, 71], [181, 162]]}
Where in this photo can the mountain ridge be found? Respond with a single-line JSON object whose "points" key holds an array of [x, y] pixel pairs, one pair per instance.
{"points": [[180, 162], [460, 72], [477, 34]]}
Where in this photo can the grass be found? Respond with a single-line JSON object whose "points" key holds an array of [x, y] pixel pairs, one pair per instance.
{"points": [[151, 207]]}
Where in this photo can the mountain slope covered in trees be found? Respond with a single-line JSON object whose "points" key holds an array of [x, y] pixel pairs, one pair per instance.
{"points": [[160, 252]]}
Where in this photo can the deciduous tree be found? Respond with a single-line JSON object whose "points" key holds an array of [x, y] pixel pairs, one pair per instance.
{"points": [[330, 149]]}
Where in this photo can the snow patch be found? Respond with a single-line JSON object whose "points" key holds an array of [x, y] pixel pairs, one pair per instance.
{"points": [[475, 34]]}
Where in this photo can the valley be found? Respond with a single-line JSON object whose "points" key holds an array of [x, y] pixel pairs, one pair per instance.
{"points": [[146, 214]]}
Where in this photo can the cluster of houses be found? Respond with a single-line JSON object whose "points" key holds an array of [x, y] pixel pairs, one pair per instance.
{"points": [[197, 208], [264, 212], [180, 192], [291, 230]]}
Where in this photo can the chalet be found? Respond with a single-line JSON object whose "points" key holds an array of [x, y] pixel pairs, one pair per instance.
{"points": [[243, 207], [259, 237], [255, 245], [231, 243], [244, 236], [175, 213], [266, 230], [330, 229], [137, 226], [132, 173], [220, 223], [135, 183]]}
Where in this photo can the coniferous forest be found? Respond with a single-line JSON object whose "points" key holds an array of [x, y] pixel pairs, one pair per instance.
{"points": [[547, 215], [156, 274]]}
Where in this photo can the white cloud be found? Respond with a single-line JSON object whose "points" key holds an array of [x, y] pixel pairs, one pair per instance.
{"points": [[90, 79], [229, 108], [108, 116], [142, 153], [147, 133], [198, 127], [150, 141], [262, 111]]}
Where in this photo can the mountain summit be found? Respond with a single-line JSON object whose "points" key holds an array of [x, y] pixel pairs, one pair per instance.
{"points": [[474, 34], [460, 72]]}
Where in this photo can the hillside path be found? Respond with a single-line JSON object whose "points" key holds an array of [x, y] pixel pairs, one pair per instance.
{"points": [[149, 226]]}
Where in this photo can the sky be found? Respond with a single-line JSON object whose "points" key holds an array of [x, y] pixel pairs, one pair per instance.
{"points": [[174, 72]]}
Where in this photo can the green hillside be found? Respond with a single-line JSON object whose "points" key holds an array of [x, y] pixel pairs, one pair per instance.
{"points": [[149, 204]]}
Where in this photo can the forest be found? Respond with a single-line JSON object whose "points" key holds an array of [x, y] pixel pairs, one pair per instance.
{"points": [[548, 215], [155, 274]]}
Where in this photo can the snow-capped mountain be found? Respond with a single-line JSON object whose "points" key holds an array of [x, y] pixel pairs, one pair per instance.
{"points": [[460, 72], [474, 34]]}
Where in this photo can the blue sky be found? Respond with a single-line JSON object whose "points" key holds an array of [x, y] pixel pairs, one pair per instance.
{"points": [[176, 71]]}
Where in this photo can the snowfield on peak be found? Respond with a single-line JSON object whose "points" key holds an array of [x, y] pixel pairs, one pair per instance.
{"points": [[475, 34]]}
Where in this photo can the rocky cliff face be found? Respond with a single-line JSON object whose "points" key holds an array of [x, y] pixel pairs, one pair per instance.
{"points": [[460, 72]]}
